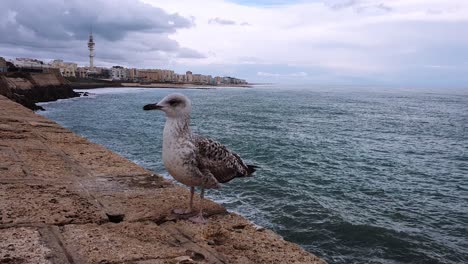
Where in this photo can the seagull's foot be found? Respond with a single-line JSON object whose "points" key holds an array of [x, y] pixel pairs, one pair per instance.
{"points": [[182, 211], [198, 219]]}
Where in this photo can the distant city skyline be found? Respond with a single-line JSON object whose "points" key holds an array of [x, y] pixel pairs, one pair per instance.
{"points": [[338, 42]]}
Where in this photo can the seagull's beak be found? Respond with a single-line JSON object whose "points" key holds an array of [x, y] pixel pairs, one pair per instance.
{"points": [[152, 107]]}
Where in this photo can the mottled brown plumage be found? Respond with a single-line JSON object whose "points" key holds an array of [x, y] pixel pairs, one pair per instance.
{"points": [[224, 164]]}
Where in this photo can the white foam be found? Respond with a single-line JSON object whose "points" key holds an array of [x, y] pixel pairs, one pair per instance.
{"points": [[57, 101]]}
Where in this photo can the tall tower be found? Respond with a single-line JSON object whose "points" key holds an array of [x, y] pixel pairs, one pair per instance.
{"points": [[91, 51]]}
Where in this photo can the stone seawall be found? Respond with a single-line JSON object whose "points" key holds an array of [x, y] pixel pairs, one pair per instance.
{"points": [[30, 88], [65, 200]]}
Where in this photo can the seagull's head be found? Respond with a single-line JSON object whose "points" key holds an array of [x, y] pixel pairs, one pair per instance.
{"points": [[174, 105]]}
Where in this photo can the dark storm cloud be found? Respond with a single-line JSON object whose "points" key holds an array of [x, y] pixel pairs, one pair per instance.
{"points": [[126, 28], [62, 20], [189, 54]]}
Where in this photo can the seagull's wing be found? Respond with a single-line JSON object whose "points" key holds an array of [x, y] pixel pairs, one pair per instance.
{"points": [[224, 164]]}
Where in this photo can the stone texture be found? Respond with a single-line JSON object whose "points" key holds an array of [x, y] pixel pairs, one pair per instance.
{"points": [[33, 203], [123, 242], [66, 200], [23, 245]]}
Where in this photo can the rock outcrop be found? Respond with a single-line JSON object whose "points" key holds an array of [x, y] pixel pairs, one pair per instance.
{"points": [[31, 88]]}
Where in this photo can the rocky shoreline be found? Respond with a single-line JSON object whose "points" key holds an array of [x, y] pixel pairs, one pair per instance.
{"points": [[183, 85], [81, 83], [31, 88], [67, 200]]}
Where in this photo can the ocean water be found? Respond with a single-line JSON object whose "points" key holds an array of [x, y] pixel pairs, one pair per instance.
{"points": [[352, 175]]}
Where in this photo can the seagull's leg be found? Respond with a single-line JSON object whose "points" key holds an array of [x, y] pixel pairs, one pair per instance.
{"points": [[192, 191], [190, 209], [199, 219]]}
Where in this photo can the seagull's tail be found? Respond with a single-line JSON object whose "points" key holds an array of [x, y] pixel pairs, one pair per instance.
{"points": [[251, 169]]}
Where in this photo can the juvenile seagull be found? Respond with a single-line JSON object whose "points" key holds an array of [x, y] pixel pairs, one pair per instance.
{"points": [[191, 159]]}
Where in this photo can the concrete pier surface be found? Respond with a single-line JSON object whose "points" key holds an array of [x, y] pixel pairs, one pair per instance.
{"points": [[65, 200]]}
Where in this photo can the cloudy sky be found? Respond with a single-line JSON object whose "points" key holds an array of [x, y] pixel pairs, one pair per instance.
{"points": [[346, 42]]}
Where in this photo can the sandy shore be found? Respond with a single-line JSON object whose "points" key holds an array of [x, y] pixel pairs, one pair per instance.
{"points": [[67, 200]]}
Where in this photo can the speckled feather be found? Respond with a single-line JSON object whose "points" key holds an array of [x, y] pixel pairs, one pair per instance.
{"points": [[222, 163]]}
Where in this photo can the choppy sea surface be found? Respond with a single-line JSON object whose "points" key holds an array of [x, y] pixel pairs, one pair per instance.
{"points": [[353, 175]]}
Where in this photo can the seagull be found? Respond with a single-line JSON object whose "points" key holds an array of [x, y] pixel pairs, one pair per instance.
{"points": [[191, 159]]}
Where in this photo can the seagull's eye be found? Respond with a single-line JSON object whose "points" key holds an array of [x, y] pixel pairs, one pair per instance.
{"points": [[174, 102]]}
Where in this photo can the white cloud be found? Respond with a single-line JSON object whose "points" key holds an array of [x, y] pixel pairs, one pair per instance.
{"points": [[221, 21], [358, 37], [385, 40]]}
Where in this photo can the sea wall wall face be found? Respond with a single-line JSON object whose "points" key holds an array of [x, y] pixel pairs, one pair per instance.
{"points": [[30, 88], [66, 200]]}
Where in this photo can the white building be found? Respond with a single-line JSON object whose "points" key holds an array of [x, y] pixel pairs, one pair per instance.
{"points": [[29, 63], [67, 69], [119, 73]]}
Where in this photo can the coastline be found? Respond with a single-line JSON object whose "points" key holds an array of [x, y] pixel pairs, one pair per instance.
{"points": [[185, 85], [96, 83], [31, 88], [66, 198]]}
